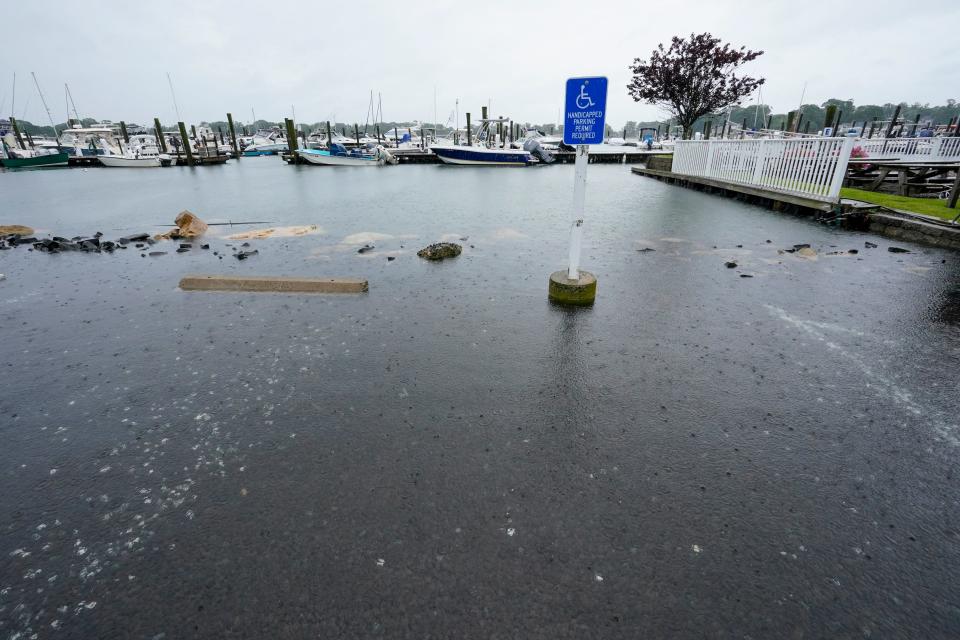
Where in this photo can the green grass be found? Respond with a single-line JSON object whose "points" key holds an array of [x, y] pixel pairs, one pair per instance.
{"points": [[925, 206]]}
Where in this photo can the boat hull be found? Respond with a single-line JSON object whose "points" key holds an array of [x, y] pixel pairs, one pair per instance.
{"points": [[139, 163], [51, 160], [255, 153], [479, 156], [326, 158]]}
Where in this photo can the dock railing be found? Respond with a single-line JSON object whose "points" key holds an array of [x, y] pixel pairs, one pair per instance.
{"points": [[940, 149], [805, 167]]}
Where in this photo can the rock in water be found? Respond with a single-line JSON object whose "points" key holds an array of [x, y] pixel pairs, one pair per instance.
{"points": [[243, 255], [190, 225], [730, 265], [897, 250], [440, 251], [869, 245]]}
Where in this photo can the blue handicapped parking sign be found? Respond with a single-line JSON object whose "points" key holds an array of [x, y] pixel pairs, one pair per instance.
{"points": [[585, 110]]}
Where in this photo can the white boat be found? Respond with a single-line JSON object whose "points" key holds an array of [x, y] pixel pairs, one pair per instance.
{"points": [[91, 141], [338, 156], [127, 161], [141, 151]]}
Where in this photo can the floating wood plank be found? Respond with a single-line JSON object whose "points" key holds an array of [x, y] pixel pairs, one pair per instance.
{"points": [[278, 284]]}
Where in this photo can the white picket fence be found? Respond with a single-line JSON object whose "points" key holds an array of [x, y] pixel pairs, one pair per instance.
{"points": [[811, 168], [912, 149]]}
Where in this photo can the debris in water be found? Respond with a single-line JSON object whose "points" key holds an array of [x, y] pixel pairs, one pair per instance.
{"points": [[897, 250], [869, 245], [188, 226], [243, 255], [365, 248], [15, 229], [154, 254], [391, 258], [646, 250], [745, 275], [730, 265], [276, 232], [440, 251]]}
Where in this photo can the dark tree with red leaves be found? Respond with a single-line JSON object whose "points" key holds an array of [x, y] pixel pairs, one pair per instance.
{"points": [[693, 78]]}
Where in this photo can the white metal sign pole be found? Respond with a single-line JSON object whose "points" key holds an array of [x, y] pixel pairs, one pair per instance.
{"points": [[579, 197]]}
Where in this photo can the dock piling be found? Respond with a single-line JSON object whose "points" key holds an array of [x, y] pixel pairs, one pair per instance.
{"points": [[233, 136], [159, 131], [186, 143], [291, 135], [469, 141], [16, 132]]}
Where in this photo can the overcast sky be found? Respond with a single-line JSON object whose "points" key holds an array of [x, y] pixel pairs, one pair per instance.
{"points": [[323, 58]]}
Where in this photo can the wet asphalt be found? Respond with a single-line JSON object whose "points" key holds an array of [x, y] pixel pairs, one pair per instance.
{"points": [[699, 455]]}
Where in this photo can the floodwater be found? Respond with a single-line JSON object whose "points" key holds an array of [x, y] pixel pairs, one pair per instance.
{"points": [[700, 454]]}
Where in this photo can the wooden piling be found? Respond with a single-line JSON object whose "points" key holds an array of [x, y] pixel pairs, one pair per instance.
{"points": [[828, 115], [233, 136], [356, 133], [16, 132], [791, 117], [893, 121], [836, 127], [291, 135], [329, 137], [469, 133], [123, 132], [159, 131], [186, 143]]}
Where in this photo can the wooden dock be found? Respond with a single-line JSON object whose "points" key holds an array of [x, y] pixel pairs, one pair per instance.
{"points": [[774, 199], [417, 156]]}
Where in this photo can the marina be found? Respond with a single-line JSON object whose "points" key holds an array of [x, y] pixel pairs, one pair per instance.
{"points": [[370, 321]]}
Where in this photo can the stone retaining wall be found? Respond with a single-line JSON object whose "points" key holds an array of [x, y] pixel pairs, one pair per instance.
{"points": [[894, 226]]}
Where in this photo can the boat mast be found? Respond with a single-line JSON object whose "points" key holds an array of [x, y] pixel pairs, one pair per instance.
{"points": [[56, 134], [13, 100], [70, 96], [174, 95]]}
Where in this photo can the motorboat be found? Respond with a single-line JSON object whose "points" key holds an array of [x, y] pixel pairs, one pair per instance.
{"points": [[91, 141], [487, 150], [340, 156], [266, 143], [141, 151], [318, 139]]}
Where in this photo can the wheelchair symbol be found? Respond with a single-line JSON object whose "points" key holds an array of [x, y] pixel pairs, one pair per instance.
{"points": [[584, 100]]}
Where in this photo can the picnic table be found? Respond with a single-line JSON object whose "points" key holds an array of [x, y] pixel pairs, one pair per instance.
{"points": [[911, 176]]}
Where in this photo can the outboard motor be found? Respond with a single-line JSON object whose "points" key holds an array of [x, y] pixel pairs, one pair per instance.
{"points": [[385, 157], [533, 148]]}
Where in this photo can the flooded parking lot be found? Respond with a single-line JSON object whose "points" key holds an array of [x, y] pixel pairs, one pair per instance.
{"points": [[700, 454]]}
